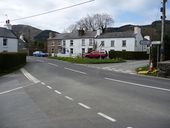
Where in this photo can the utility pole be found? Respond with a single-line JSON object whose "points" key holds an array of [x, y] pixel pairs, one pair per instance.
{"points": [[163, 17]]}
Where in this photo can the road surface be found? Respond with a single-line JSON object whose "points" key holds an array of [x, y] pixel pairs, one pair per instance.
{"points": [[55, 94]]}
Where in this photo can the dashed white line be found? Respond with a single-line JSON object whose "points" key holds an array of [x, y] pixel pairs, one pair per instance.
{"points": [[57, 92], [106, 117], [49, 87], [140, 85], [69, 98], [129, 127], [84, 106], [42, 83], [53, 64], [75, 71]]}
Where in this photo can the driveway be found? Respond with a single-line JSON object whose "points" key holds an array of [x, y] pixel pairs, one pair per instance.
{"points": [[127, 67]]}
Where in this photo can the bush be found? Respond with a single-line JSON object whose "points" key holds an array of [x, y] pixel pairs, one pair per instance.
{"points": [[11, 61], [128, 55]]}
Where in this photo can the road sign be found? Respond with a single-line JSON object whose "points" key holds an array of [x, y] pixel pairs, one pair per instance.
{"points": [[155, 42], [145, 42]]}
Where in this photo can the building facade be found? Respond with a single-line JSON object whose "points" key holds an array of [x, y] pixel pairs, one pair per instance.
{"points": [[8, 41], [80, 42]]}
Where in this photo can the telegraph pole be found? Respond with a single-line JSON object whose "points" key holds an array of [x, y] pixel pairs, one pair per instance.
{"points": [[163, 17]]}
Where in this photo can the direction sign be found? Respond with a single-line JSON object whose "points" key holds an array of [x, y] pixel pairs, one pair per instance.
{"points": [[145, 42]]}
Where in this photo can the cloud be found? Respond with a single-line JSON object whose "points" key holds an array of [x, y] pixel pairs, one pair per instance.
{"points": [[147, 10]]}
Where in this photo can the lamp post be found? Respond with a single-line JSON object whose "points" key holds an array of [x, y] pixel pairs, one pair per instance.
{"points": [[163, 17]]}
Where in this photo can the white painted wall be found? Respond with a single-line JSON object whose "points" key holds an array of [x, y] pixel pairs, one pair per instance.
{"points": [[12, 45], [130, 44]]}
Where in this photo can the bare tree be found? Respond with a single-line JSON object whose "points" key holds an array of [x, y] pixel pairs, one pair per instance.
{"points": [[97, 21]]}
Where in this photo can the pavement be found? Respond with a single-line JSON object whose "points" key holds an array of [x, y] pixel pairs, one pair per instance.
{"points": [[48, 93], [128, 67]]}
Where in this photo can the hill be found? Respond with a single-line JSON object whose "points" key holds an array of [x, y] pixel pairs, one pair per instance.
{"points": [[43, 35], [31, 33]]}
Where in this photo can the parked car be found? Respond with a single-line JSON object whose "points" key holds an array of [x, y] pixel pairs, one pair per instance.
{"points": [[96, 54], [40, 54]]}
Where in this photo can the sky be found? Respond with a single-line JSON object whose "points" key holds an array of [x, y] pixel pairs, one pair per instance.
{"points": [[123, 12]]}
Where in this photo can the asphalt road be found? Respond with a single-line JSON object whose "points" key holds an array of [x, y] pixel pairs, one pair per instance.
{"points": [[54, 94]]}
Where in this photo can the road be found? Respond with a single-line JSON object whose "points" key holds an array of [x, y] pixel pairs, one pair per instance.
{"points": [[48, 93]]}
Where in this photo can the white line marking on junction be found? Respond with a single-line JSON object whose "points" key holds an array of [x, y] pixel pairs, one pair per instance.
{"points": [[75, 71], [84, 106], [69, 98], [53, 64], [18, 88], [57, 92], [49, 87], [129, 127], [40, 61], [106, 117], [42, 83], [29, 76], [140, 85]]}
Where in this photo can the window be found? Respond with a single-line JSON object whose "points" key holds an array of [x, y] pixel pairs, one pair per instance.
{"points": [[64, 43], [71, 42], [4, 42], [83, 42], [83, 50], [123, 43], [71, 50], [90, 42], [102, 44], [112, 43]]}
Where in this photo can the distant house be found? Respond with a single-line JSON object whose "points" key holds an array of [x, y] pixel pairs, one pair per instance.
{"points": [[8, 41], [75, 44]]}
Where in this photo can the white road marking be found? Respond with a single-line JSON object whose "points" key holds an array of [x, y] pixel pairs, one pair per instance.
{"points": [[57, 92], [129, 127], [49, 87], [69, 98], [53, 64], [84, 106], [140, 85], [40, 61], [29, 76], [42, 83], [106, 117], [14, 89], [75, 71]]}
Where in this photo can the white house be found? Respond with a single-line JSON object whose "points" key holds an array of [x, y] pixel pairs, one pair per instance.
{"points": [[8, 40], [75, 44]]}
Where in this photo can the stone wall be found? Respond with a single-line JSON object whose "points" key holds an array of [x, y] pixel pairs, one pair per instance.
{"points": [[164, 69]]}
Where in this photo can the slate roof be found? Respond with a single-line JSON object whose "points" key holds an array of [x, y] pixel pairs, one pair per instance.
{"points": [[7, 33], [128, 34], [92, 34], [75, 35]]}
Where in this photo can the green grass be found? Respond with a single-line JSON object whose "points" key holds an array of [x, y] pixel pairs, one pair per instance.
{"points": [[149, 73], [88, 60]]}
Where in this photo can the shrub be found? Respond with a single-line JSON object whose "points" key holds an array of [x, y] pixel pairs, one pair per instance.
{"points": [[128, 55], [10, 61]]}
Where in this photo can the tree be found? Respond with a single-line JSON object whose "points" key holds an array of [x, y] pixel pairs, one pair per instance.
{"points": [[93, 23]]}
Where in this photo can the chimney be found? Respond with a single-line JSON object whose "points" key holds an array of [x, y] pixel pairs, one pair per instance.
{"points": [[51, 35], [99, 32], [81, 32], [137, 30], [8, 25]]}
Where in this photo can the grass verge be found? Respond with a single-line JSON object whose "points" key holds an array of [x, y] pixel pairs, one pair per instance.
{"points": [[88, 60], [145, 71]]}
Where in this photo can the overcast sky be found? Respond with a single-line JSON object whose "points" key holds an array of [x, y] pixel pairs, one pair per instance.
{"points": [[138, 12]]}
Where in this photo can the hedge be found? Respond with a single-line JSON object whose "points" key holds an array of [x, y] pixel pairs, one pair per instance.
{"points": [[11, 61], [128, 55]]}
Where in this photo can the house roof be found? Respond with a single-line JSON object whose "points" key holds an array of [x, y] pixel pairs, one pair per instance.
{"points": [[7, 33], [92, 34], [75, 35], [128, 34]]}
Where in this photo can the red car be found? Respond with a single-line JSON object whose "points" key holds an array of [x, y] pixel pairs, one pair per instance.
{"points": [[96, 54]]}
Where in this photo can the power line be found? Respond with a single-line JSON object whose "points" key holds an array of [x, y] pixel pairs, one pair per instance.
{"points": [[67, 7]]}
